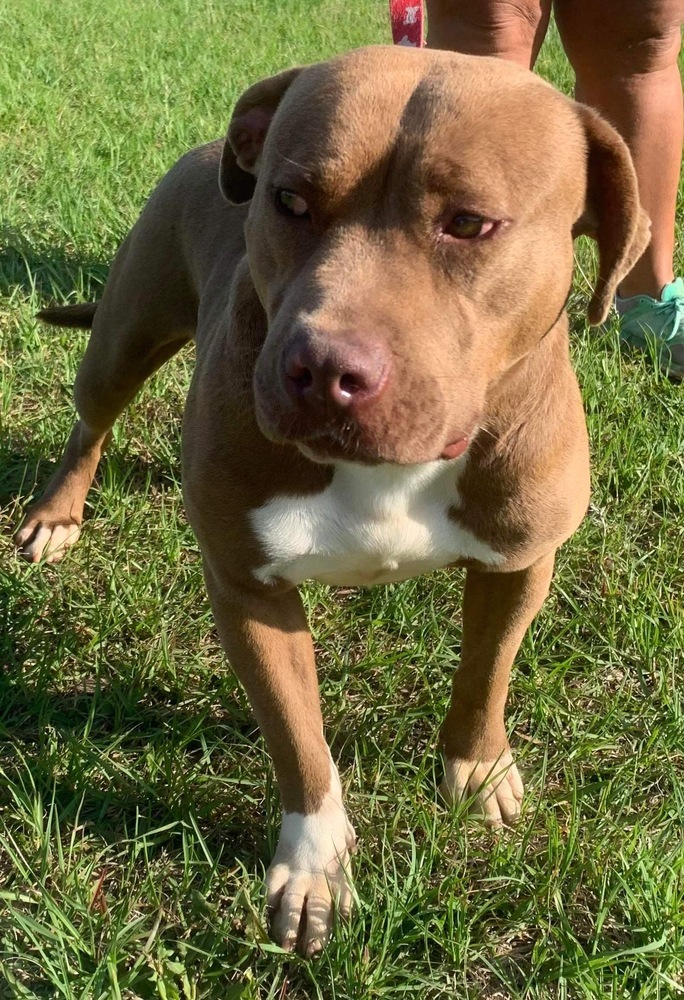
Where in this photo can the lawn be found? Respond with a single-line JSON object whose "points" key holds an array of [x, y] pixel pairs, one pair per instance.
{"points": [[137, 805]]}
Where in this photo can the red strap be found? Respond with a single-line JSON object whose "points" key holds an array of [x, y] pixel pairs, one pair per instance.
{"points": [[407, 22]]}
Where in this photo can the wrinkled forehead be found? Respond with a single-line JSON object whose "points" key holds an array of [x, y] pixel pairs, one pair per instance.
{"points": [[437, 118]]}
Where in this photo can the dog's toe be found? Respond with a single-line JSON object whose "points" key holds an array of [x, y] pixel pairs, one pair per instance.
{"points": [[44, 540], [303, 905], [493, 787], [309, 880]]}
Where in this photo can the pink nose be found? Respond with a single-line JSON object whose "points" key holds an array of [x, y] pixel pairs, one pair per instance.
{"points": [[319, 375]]}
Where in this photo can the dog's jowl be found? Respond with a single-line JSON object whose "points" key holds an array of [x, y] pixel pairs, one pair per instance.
{"points": [[374, 266]]}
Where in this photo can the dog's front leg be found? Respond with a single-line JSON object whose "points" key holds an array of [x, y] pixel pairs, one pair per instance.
{"points": [[268, 643], [497, 610]]}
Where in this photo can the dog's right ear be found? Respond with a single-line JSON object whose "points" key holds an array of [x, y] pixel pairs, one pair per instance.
{"points": [[246, 134]]}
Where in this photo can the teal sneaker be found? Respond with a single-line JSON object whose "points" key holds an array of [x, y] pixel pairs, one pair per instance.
{"points": [[658, 325]]}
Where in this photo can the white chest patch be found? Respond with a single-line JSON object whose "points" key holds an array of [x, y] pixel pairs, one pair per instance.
{"points": [[372, 524]]}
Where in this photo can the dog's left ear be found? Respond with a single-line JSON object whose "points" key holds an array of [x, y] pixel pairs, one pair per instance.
{"points": [[612, 215], [252, 116]]}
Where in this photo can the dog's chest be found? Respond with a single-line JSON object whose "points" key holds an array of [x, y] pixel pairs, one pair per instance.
{"points": [[370, 525]]}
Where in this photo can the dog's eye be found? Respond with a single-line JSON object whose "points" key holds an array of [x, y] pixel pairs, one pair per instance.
{"points": [[468, 226], [290, 203]]}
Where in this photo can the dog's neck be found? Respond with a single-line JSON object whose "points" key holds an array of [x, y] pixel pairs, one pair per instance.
{"points": [[531, 390]]}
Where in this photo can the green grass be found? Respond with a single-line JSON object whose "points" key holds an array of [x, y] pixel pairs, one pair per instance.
{"points": [[137, 806]]}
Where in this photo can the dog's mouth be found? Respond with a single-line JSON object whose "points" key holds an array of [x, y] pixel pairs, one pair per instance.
{"points": [[343, 443], [348, 442], [457, 447], [323, 455], [327, 450]]}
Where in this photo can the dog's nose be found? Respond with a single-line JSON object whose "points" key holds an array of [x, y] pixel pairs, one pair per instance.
{"points": [[344, 374]]}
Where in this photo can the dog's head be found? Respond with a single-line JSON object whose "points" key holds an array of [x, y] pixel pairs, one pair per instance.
{"points": [[410, 238]]}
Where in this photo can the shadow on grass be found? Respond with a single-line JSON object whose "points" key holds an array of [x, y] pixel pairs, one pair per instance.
{"points": [[53, 273], [56, 735], [36, 715], [25, 472]]}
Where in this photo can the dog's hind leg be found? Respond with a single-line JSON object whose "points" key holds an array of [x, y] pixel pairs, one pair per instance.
{"points": [[147, 313]]}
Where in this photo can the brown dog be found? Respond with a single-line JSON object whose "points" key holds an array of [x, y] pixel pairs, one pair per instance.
{"points": [[382, 386]]}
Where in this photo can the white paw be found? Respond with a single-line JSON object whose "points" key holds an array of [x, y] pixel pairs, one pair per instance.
{"points": [[495, 786], [309, 879], [38, 540]]}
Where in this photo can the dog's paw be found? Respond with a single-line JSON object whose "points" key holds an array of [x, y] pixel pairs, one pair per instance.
{"points": [[309, 881], [45, 540], [494, 786]]}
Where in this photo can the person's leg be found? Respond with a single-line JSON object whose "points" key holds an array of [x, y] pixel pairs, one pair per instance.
{"points": [[624, 54], [511, 29]]}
